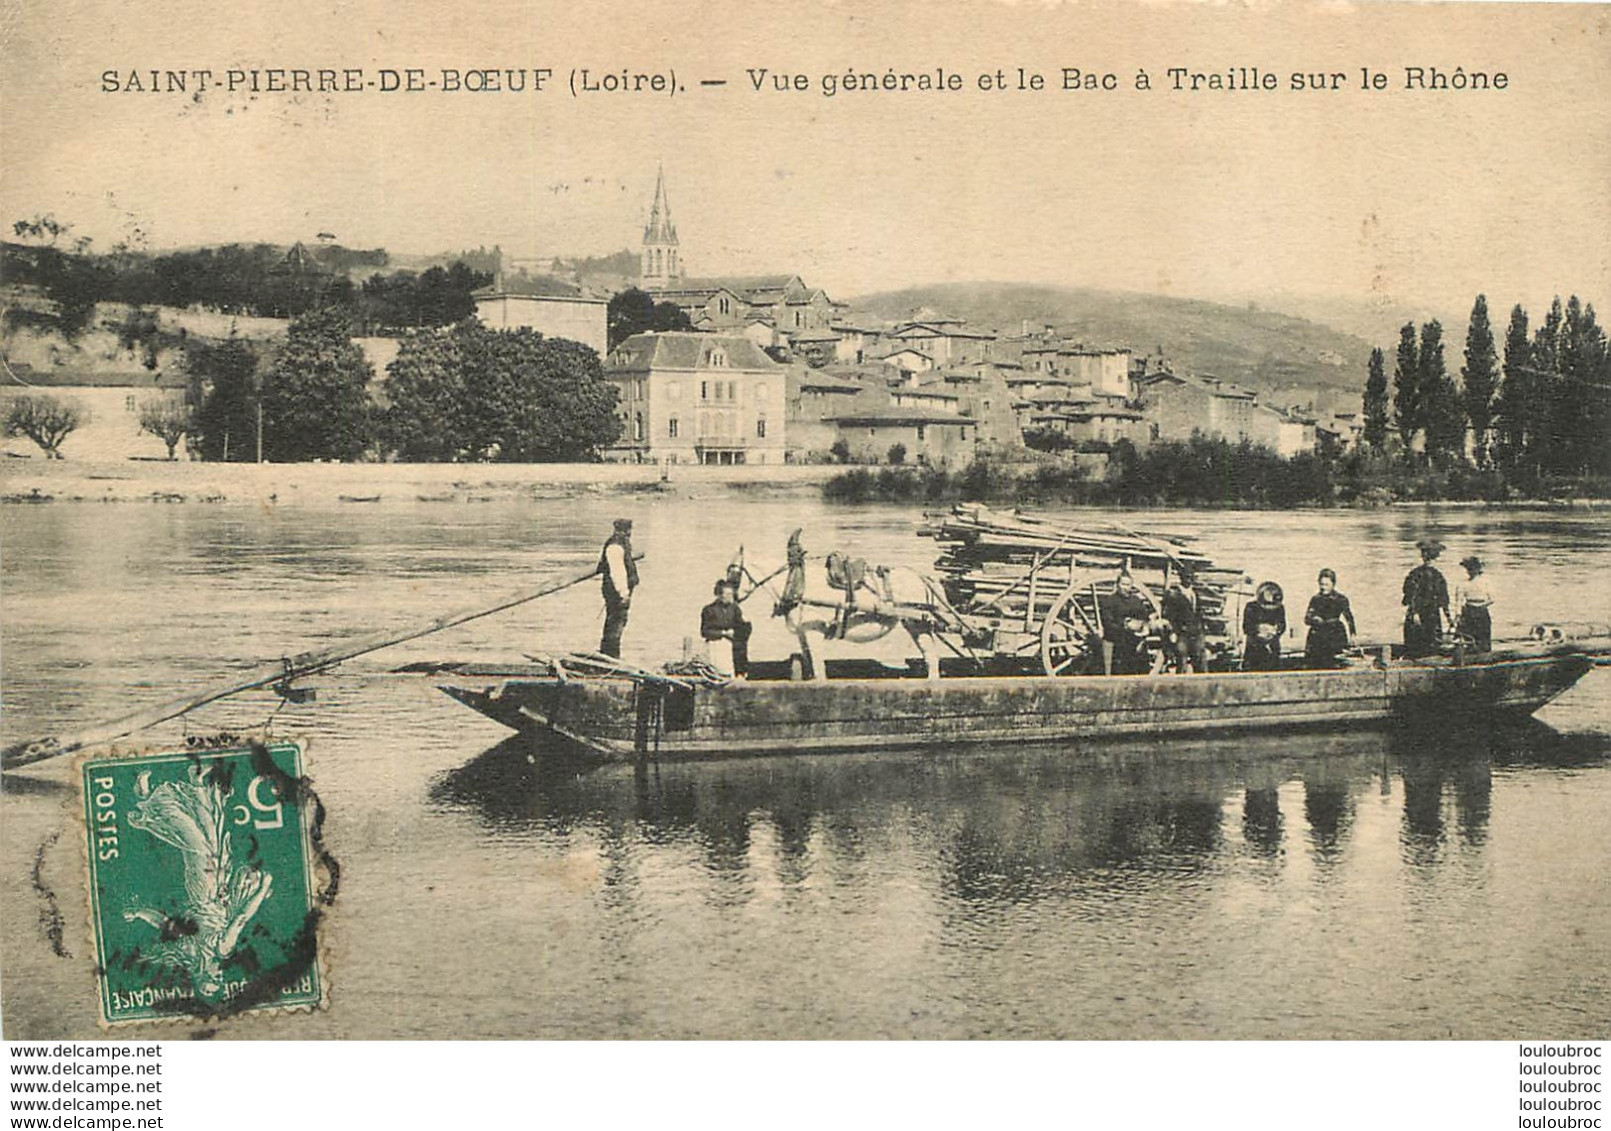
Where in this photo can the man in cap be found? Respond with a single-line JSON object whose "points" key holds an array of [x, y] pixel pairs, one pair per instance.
{"points": [[620, 575], [1426, 602]]}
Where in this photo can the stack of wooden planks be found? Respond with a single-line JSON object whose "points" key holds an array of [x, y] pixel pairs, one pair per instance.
{"points": [[1015, 566]]}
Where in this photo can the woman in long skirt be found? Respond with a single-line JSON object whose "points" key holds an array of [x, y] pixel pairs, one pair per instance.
{"points": [[1331, 624], [1264, 622]]}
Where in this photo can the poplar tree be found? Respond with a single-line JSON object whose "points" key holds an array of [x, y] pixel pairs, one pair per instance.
{"points": [[1375, 432], [1544, 441], [1513, 427], [1580, 407], [1407, 403], [1441, 414], [1480, 377]]}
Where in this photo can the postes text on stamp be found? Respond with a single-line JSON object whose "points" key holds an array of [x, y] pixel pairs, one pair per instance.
{"points": [[202, 890]]}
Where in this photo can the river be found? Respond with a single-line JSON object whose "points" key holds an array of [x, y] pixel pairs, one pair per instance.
{"points": [[1363, 885]]}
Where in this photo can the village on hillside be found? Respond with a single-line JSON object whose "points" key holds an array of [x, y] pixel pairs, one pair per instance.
{"points": [[766, 370], [773, 370]]}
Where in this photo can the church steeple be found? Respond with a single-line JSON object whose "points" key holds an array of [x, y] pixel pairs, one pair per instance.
{"points": [[662, 262]]}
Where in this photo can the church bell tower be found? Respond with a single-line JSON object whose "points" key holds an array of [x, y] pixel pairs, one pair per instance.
{"points": [[661, 267]]}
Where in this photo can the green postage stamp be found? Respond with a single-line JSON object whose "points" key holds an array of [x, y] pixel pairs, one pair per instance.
{"points": [[202, 891]]}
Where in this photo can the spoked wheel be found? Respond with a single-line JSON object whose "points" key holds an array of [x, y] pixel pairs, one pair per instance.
{"points": [[1064, 635]]}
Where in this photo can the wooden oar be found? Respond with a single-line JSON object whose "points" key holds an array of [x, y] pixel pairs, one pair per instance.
{"points": [[307, 663]]}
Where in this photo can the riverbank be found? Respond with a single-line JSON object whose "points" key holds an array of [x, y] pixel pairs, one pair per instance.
{"points": [[293, 484], [1211, 475]]}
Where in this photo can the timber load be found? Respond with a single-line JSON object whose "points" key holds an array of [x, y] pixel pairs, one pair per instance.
{"points": [[1036, 571]]}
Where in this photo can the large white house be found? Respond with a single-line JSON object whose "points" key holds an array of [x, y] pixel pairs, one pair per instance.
{"points": [[552, 307]]}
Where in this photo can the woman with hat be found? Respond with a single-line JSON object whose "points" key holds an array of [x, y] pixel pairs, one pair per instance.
{"points": [[1331, 623], [1473, 598], [1264, 622], [1426, 602]]}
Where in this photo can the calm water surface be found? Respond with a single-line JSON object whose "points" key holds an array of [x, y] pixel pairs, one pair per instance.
{"points": [[1353, 885]]}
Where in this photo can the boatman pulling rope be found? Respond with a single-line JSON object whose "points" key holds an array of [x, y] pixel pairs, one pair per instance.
{"points": [[620, 575]]}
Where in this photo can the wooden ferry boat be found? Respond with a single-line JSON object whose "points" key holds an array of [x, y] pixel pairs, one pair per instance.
{"points": [[863, 705], [1009, 651]]}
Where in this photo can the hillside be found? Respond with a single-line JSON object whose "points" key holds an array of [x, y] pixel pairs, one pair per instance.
{"points": [[1283, 357]]}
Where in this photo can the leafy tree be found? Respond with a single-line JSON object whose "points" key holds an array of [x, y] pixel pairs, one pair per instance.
{"points": [[315, 399], [1375, 406], [426, 386], [1514, 422], [1047, 439], [840, 450], [168, 420], [1408, 411], [635, 312], [897, 453], [1443, 416], [223, 380], [471, 393], [406, 300], [1480, 377], [45, 420]]}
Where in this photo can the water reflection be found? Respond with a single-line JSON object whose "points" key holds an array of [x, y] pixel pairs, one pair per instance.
{"points": [[1014, 827]]}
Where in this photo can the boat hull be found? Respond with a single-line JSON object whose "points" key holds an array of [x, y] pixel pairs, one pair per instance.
{"points": [[623, 717]]}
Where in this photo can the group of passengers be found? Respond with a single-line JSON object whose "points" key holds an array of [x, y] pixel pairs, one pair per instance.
{"points": [[1132, 624]]}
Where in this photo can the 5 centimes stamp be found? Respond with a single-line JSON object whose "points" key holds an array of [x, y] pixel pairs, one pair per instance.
{"points": [[202, 882]]}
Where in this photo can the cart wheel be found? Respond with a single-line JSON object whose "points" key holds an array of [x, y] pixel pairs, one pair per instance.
{"points": [[1063, 635]]}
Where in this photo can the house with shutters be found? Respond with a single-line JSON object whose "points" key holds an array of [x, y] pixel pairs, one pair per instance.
{"points": [[697, 398]]}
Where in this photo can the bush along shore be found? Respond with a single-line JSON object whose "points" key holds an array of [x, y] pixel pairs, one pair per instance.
{"points": [[1209, 473]]}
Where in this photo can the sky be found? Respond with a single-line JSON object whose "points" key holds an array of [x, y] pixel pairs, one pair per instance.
{"points": [[1394, 197]]}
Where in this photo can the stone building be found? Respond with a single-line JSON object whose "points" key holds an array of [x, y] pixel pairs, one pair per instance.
{"points": [[698, 398], [552, 307], [940, 439], [109, 406], [1176, 405]]}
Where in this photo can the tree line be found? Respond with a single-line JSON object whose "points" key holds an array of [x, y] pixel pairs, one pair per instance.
{"points": [[258, 279], [1541, 411], [464, 393]]}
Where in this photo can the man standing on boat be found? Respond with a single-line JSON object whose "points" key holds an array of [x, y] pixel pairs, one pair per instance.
{"points": [[1183, 610], [620, 575], [1426, 602]]}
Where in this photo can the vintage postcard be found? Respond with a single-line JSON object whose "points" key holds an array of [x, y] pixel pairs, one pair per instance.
{"points": [[831, 521]]}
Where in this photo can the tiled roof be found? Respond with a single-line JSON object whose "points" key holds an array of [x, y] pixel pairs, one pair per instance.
{"points": [[17, 376], [900, 414], [939, 331], [532, 286], [814, 382], [682, 350], [744, 284], [1211, 385]]}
